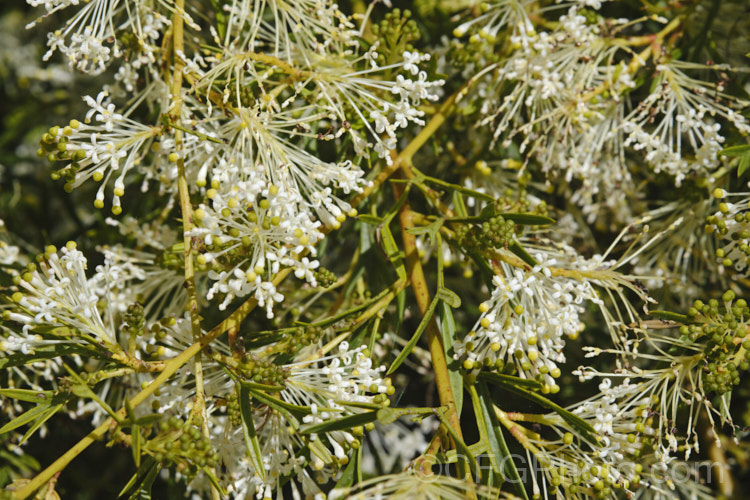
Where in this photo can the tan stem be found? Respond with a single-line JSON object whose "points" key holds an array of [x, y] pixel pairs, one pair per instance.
{"points": [[422, 295]]}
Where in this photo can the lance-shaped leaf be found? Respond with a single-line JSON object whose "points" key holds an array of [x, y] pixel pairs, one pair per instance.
{"points": [[740, 150], [414, 338], [583, 427], [389, 415], [490, 431], [45, 352], [452, 187], [455, 376], [521, 252], [27, 395], [461, 447], [443, 293], [743, 151], [370, 219], [391, 249], [82, 390], [248, 431], [351, 473], [288, 409], [135, 434], [39, 414], [340, 424], [671, 316], [502, 379], [46, 415], [214, 481], [148, 469]]}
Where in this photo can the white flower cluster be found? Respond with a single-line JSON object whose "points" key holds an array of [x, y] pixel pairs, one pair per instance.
{"points": [[139, 276], [247, 120], [86, 37], [326, 385], [525, 323], [312, 27], [577, 464], [251, 230], [111, 148], [334, 380], [259, 147], [659, 393], [568, 95], [151, 275], [60, 294], [676, 124]]}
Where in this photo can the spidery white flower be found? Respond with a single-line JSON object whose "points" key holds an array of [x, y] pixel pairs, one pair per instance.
{"points": [[676, 125], [525, 323], [59, 294], [256, 230], [112, 147]]}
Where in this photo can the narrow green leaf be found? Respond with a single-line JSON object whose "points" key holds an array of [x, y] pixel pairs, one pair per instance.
{"points": [[221, 19], [457, 188], [135, 433], [349, 475], [147, 420], [286, 408], [521, 252], [449, 297], [489, 429], [144, 490], [460, 445], [392, 251], [524, 219], [248, 431], [740, 150], [501, 378], [374, 333], [400, 310], [46, 352], [359, 404], [27, 395], [261, 387], [389, 415], [40, 421], [82, 390], [458, 202], [528, 219], [574, 420], [414, 338], [448, 332], [370, 219], [671, 316], [25, 418], [340, 424], [744, 165], [142, 472], [214, 481], [23, 463]]}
